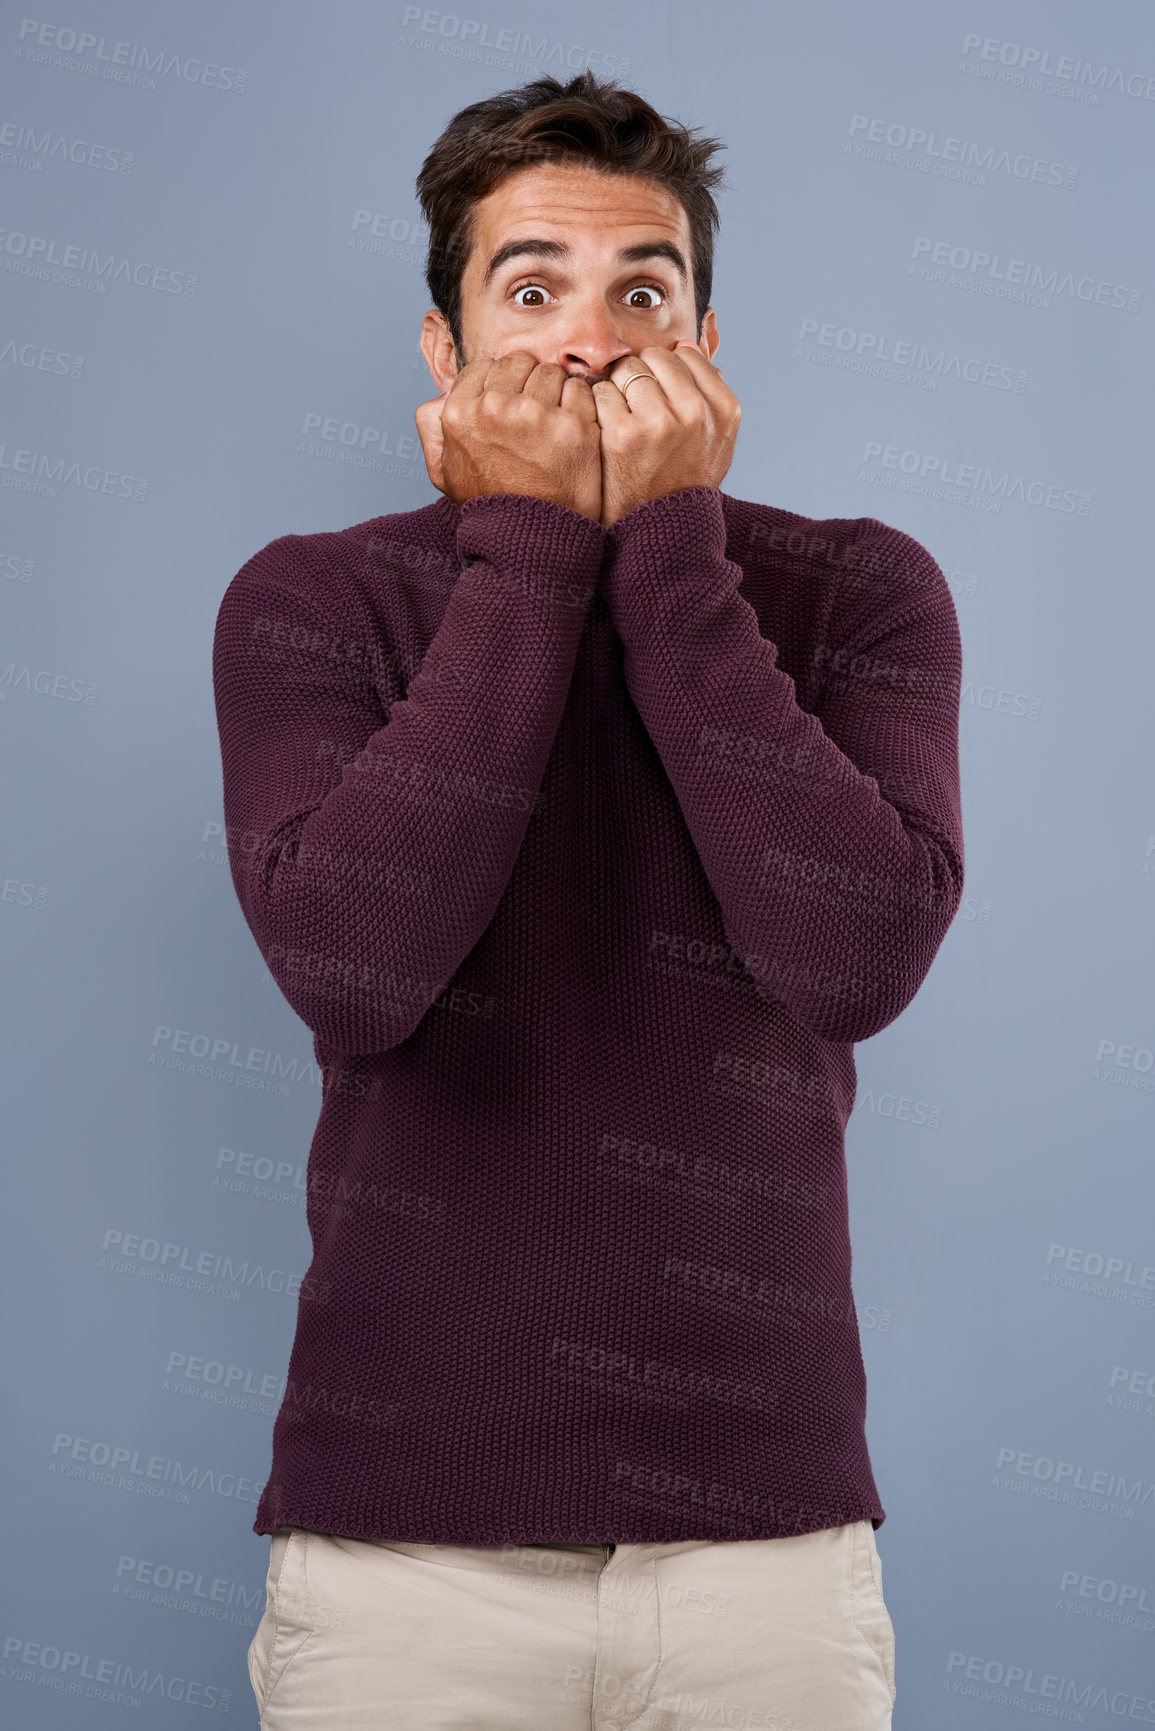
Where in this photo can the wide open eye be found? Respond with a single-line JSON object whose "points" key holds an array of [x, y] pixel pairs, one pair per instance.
{"points": [[657, 296], [522, 288], [645, 288]]}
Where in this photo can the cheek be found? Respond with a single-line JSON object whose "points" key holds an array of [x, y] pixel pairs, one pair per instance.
{"points": [[516, 343]]}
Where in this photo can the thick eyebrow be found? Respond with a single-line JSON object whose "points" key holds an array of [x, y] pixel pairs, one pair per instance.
{"points": [[556, 249]]}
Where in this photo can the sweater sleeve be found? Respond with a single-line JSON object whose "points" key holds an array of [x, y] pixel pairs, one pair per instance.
{"points": [[371, 832], [832, 840]]}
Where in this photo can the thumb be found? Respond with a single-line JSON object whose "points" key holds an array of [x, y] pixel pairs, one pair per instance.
{"points": [[428, 419], [428, 415]]}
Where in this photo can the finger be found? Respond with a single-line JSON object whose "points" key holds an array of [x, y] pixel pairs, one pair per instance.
{"points": [[546, 382], [510, 372], [577, 398], [648, 393], [707, 376], [612, 408], [712, 384], [680, 386], [428, 419], [469, 380]]}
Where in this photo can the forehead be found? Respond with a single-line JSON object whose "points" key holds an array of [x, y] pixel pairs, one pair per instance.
{"points": [[566, 196]]}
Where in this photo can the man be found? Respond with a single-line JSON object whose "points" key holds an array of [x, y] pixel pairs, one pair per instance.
{"points": [[587, 816]]}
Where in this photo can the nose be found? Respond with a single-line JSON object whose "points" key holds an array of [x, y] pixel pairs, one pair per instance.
{"points": [[589, 342]]}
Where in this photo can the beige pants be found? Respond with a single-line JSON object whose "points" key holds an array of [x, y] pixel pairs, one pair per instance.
{"points": [[789, 1633]]}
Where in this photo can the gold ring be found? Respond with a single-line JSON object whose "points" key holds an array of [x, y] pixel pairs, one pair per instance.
{"points": [[624, 388]]}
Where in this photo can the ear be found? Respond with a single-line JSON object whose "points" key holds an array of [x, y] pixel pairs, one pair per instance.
{"points": [[710, 338], [438, 348]]}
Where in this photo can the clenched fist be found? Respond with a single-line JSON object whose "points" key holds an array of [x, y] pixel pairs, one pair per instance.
{"points": [[515, 425], [670, 432]]}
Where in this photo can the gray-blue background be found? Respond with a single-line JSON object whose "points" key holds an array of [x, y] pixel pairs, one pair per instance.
{"points": [[936, 252]]}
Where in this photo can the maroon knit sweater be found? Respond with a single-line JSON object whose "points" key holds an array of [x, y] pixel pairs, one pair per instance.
{"points": [[586, 856]]}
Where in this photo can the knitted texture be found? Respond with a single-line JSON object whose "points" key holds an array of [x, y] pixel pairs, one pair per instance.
{"points": [[586, 856]]}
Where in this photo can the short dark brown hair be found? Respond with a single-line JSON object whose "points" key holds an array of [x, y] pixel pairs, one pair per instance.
{"points": [[590, 120]]}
